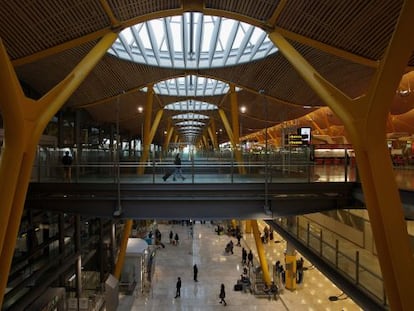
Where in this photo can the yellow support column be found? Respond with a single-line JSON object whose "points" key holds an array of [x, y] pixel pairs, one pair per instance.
{"points": [[236, 128], [205, 141], [155, 125], [290, 272], [176, 138], [147, 127], [233, 223], [231, 137], [234, 108], [290, 261], [24, 122], [365, 120], [170, 132], [122, 249], [226, 124], [11, 103], [248, 226], [212, 136], [260, 252]]}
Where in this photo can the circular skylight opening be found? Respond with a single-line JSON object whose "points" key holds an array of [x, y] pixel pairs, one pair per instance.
{"points": [[192, 129], [191, 86], [190, 123], [190, 105], [192, 41], [190, 116]]}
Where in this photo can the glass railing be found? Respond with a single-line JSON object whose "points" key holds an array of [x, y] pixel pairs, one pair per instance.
{"points": [[338, 253], [196, 171]]}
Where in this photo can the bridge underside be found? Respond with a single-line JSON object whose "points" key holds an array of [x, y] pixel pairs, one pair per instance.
{"points": [[196, 201]]}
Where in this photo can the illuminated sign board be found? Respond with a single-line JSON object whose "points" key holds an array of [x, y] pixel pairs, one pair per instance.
{"points": [[302, 138]]}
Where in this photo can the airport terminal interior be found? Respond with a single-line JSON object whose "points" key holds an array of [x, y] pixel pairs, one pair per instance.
{"points": [[145, 145]]}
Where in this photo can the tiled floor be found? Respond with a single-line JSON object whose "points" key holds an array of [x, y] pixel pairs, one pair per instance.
{"points": [[206, 249]]}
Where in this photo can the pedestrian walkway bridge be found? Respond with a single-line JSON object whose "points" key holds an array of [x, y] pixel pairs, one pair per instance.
{"points": [[213, 189], [197, 201]]}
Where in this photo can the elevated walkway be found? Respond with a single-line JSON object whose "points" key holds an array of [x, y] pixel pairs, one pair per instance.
{"points": [[196, 201]]}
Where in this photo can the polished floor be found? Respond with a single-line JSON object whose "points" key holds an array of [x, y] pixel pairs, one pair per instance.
{"points": [[206, 249]]}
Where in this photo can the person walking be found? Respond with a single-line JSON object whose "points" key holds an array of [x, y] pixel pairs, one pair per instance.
{"points": [[178, 288], [274, 290], [238, 236], [222, 294], [195, 268], [229, 247], [178, 172], [171, 237], [176, 238], [299, 270], [244, 256], [250, 258]]}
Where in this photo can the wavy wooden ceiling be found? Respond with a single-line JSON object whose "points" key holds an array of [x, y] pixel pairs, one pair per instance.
{"points": [[341, 39]]}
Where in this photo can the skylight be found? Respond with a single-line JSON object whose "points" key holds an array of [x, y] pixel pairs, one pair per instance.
{"points": [[190, 123], [192, 41], [191, 86], [191, 105], [190, 116], [193, 129]]}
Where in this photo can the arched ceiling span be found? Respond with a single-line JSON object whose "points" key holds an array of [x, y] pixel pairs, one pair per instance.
{"points": [[45, 39]]}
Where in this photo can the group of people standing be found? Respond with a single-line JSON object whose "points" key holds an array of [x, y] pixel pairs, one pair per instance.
{"points": [[174, 238], [267, 235], [247, 258]]}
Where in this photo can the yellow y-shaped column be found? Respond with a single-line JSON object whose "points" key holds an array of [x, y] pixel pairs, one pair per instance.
{"points": [[213, 134], [260, 252], [226, 124], [122, 249], [170, 132], [248, 226], [231, 137], [236, 128], [365, 120], [155, 124], [24, 121], [147, 127], [234, 108], [204, 141], [213, 137]]}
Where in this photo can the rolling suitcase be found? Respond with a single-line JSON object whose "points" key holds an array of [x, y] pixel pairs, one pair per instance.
{"points": [[167, 175]]}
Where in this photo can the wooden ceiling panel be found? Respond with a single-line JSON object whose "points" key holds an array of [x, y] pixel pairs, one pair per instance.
{"points": [[360, 27], [28, 27], [126, 9], [47, 72], [261, 10], [338, 71]]}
